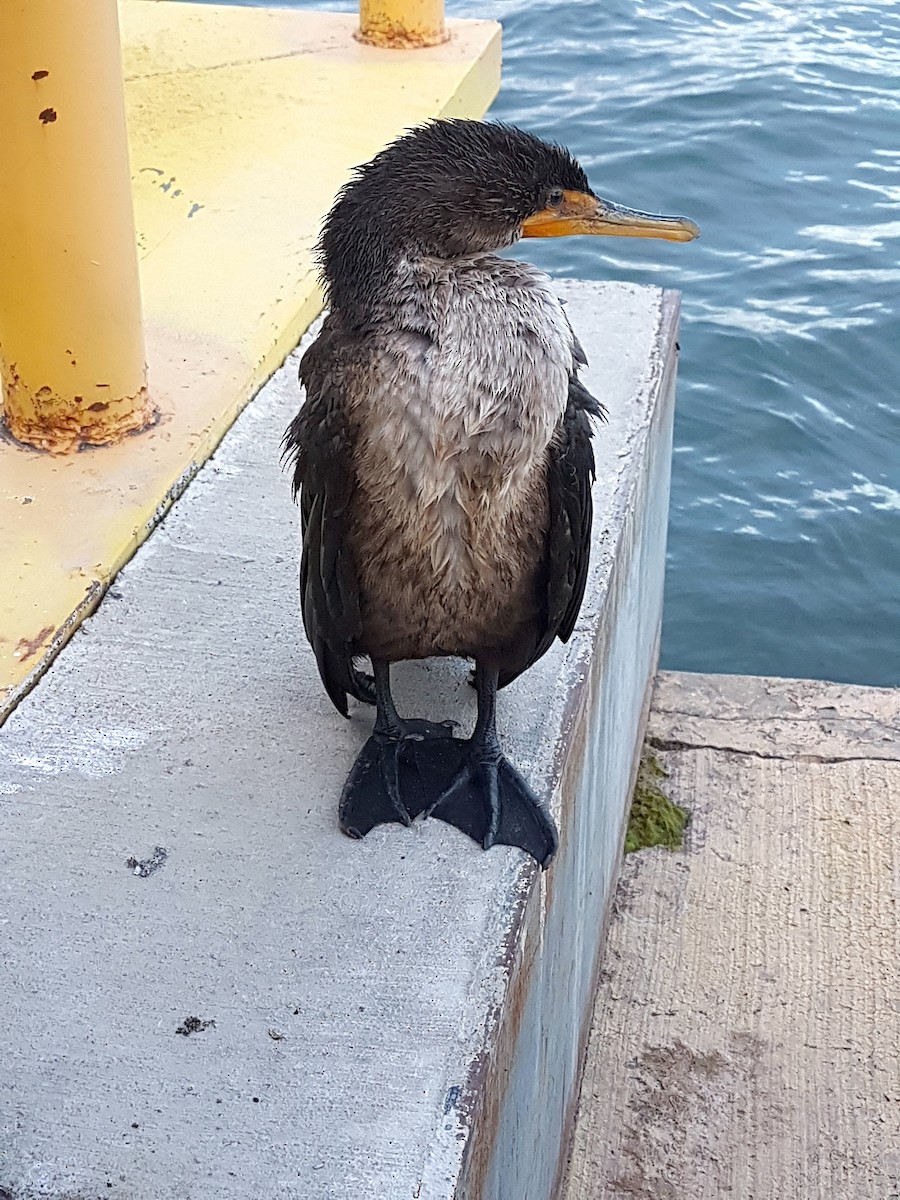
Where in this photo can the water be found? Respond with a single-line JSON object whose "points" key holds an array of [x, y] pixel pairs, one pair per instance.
{"points": [[777, 128]]}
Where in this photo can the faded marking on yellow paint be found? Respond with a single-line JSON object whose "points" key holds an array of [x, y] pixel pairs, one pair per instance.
{"points": [[243, 124]]}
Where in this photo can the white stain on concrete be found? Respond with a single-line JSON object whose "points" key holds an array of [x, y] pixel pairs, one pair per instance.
{"points": [[88, 751]]}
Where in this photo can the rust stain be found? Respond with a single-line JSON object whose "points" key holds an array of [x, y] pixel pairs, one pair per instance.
{"points": [[47, 116], [390, 35], [44, 420], [10, 695], [27, 647]]}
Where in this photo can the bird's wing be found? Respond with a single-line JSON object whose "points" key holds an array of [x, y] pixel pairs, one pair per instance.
{"points": [[317, 443], [570, 511]]}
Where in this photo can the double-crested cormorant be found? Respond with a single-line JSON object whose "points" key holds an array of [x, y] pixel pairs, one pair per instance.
{"points": [[443, 456]]}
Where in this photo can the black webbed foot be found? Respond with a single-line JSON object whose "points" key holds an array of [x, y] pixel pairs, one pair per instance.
{"points": [[407, 768], [489, 800], [384, 784]]}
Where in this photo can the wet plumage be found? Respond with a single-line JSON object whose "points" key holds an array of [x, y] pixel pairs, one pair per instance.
{"points": [[443, 460]]}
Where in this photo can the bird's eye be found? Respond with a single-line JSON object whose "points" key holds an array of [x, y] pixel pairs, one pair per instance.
{"points": [[556, 197]]}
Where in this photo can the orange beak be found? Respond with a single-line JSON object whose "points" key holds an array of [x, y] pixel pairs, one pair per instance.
{"points": [[581, 213]]}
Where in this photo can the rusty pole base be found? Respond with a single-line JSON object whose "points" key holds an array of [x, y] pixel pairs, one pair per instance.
{"points": [[402, 24], [58, 424], [389, 36]]}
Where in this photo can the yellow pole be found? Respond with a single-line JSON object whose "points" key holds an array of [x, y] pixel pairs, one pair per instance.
{"points": [[402, 24], [71, 335]]}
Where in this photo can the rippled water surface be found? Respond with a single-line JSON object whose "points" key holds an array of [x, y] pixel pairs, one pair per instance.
{"points": [[777, 128]]}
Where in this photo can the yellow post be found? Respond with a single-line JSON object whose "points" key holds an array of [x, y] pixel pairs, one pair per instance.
{"points": [[71, 335], [402, 24]]}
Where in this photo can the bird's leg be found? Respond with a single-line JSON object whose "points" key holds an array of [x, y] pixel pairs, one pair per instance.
{"points": [[387, 720], [384, 784], [487, 798]]}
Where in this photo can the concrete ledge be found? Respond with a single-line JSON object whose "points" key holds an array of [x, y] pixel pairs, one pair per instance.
{"points": [[399, 1017], [745, 1031], [751, 714]]}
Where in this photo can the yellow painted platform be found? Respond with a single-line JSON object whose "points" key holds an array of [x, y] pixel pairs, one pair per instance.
{"points": [[243, 123]]}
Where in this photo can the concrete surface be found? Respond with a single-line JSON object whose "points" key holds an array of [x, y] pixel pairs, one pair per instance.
{"points": [[207, 991], [746, 1030], [243, 123]]}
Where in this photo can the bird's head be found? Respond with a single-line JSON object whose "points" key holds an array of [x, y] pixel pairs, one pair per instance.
{"points": [[455, 188]]}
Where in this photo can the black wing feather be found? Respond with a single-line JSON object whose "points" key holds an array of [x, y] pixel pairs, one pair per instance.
{"points": [[317, 443], [571, 510], [570, 513]]}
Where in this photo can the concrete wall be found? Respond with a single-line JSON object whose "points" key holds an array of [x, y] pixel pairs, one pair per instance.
{"points": [[520, 1132], [595, 763], [395, 1018]]}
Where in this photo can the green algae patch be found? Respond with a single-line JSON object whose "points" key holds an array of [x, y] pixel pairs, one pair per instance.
{"points": [[654, 819]]}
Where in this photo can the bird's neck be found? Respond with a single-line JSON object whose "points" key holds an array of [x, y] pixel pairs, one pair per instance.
{"points": [[374, 288], [359, 258]]}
